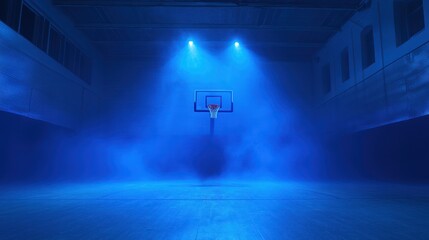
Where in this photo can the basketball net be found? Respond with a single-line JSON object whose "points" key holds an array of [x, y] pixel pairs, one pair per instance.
{"points": [[213, 108]]}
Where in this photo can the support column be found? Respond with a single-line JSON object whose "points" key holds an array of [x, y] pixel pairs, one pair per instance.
{"points": [[212, 122]]}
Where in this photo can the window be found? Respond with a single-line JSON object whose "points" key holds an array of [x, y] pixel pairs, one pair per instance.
{"points": [[70, 56], [9, 12], [34, 27], [345, 65], [42, 35], [77, 62], [367, 43], [28, 23], [3, 10], [56, 45], [409, 19], [326, 79]]}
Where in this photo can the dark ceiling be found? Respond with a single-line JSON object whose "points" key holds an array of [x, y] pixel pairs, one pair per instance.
{"points": [[288, 29]]}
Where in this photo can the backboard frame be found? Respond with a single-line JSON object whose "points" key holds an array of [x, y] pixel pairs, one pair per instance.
{"points": [[205, 94]]}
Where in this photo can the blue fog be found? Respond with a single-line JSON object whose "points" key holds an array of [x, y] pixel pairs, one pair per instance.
{"points": [[151, 130]]}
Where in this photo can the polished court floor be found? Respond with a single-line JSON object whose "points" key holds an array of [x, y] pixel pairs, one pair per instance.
{"points": [[217, 210]]}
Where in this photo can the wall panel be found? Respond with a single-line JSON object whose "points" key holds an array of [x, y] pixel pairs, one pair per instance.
{"points": [[36, 86], [392, 89]]}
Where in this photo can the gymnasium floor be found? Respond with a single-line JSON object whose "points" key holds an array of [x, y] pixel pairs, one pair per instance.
{"points": [[217, 210]]}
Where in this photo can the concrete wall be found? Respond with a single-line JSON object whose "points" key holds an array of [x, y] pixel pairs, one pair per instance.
{"points": [[392, 89], [36, 86]]}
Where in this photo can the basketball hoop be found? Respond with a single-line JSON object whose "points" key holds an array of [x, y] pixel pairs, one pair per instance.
{"points": [[213, 108]]}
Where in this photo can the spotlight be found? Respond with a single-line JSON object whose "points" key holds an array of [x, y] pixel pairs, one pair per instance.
{"points": [[191, 43], [236, 44]]}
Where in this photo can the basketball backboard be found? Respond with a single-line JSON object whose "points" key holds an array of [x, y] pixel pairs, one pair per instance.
{"points": [[204, 98]]}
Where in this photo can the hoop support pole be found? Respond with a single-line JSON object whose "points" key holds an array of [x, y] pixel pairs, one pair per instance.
{"points": [[212, 123]]}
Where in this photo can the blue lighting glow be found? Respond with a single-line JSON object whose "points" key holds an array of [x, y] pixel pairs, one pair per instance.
{"points": [[191, 43], [237, 44]]}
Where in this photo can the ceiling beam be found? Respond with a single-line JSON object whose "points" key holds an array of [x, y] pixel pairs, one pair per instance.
{"points": [[138, 44], [320, 5], [284, 56], [205, 26]]}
